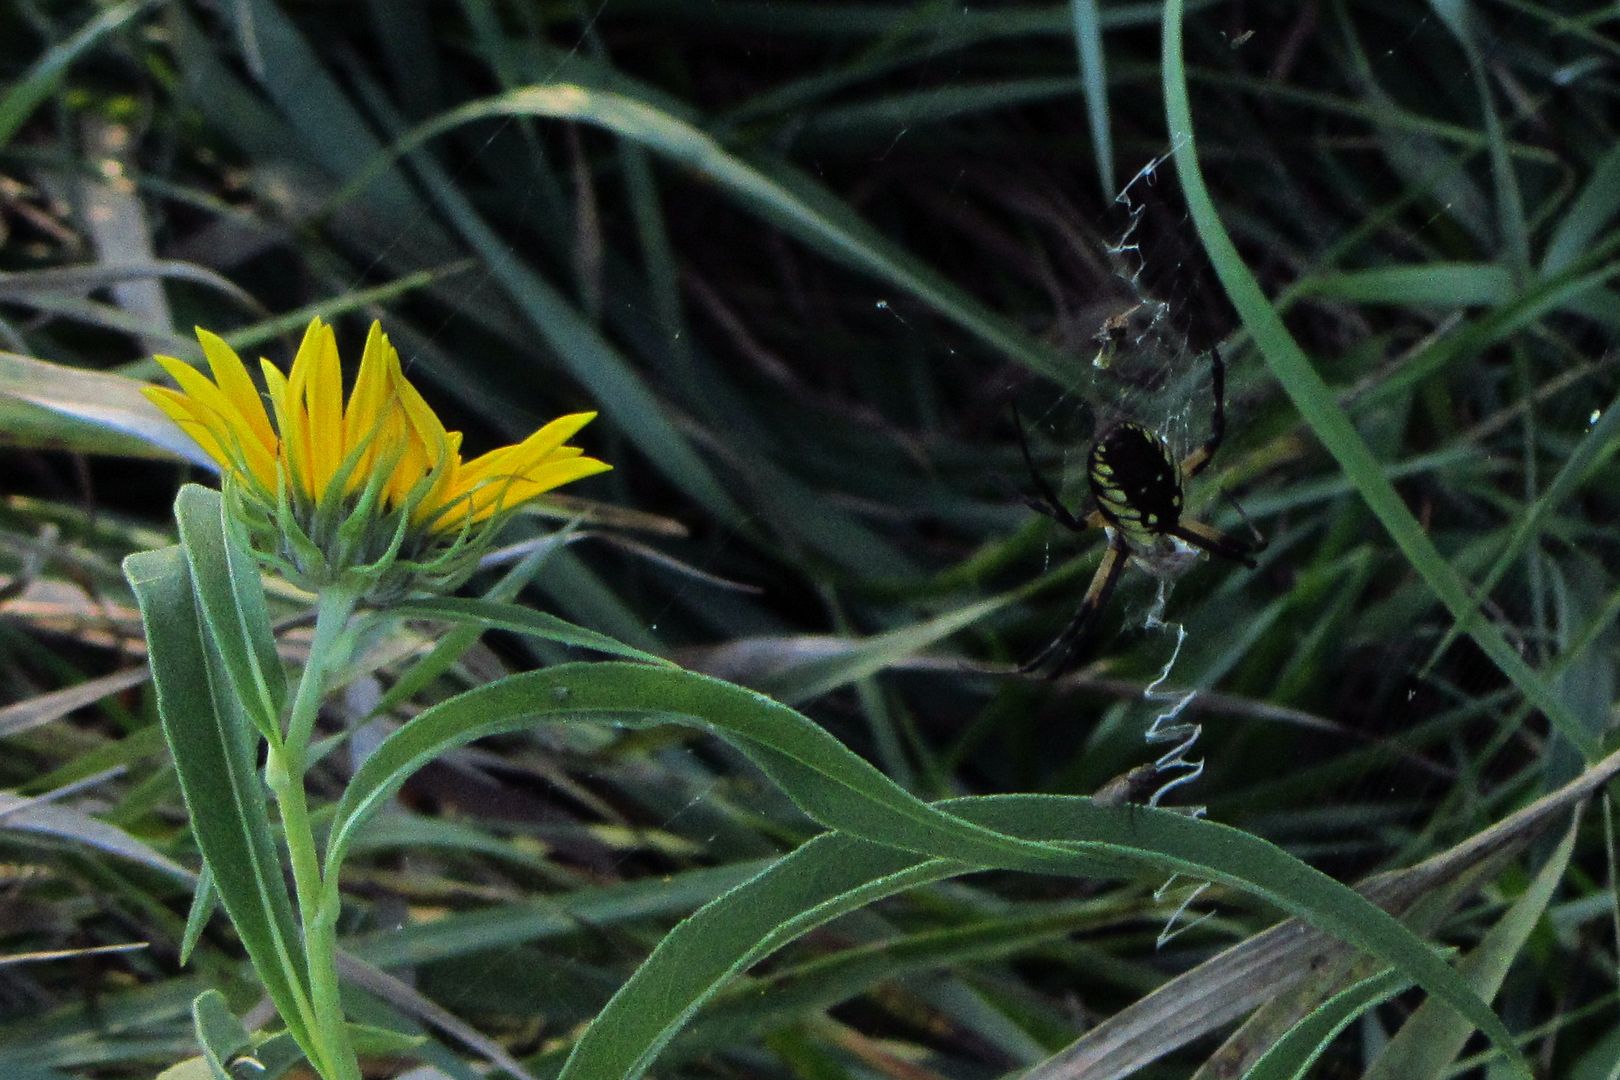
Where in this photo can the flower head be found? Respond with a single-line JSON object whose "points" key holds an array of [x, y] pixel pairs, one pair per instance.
{"points": [[372, 488]]}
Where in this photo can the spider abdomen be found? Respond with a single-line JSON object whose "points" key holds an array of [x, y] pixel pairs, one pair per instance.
{"points": [[1137, 483]]}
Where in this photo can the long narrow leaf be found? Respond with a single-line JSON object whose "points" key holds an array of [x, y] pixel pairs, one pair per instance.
{"points": [[230, 595], [501, 615], [844, 792], [223, 795]]}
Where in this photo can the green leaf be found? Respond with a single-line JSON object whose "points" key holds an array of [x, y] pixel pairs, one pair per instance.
{"points": [[844, 792], [1094, 77], [210, 740], [1291, 1057], [450, 647], [831, 875], [1584, 220], [499, 615], [204, 901], [848, 794], [824, 878], [1448, 285], [230, 594], [219, 1033]]}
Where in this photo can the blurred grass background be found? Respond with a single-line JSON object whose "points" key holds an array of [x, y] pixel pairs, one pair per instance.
{"points": [[804, 257]]}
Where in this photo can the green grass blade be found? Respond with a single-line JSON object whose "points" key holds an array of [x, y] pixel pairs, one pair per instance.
{"points": [[1291, 1057], [1431, 1038], [1596, 448], [1094, 80], [1320, 409], [19, 102], [1587, 215], [51, 405], [868, 656], [785, 198], [501, 615], [1448, 285]]}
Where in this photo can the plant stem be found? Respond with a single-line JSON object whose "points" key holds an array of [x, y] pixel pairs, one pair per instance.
{"points": [[284, 771]]}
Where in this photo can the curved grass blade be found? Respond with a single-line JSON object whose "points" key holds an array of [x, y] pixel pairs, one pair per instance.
{"points": [[1320, 409], [226, 802], [500, 615], [51, 405], [844, 792], [1318, 406], [786, 199], [1094, 78], [1291, 1057], [24, 96], [1431, 1038]]}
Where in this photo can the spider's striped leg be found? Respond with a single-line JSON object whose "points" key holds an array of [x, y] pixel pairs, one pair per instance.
{"points": [[1067, 644], [1194, 463], [1045, 500], [1216, 542]]}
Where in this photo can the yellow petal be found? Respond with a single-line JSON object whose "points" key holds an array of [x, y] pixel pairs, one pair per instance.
{"points": [[232, 432], [289, 410], [496, 497], [367, 402], [427, 444], [424, 421], [515, 459], [440, 500], [233, 380], [323, 390], [177, 407]]}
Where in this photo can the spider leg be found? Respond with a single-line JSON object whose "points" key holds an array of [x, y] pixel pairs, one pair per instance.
{"points": [[1194, 463], [1259, 542], [1068, 643], [1216, 542], [1045, 500]]}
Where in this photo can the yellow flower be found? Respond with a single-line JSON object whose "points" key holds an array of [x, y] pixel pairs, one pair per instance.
{"points": [[361, 485]]}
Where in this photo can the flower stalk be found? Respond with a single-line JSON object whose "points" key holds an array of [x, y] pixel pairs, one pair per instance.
{"points": [[285, 769]]}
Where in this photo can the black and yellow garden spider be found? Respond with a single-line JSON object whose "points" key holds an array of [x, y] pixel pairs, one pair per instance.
{"points": [[1138, 488]]}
